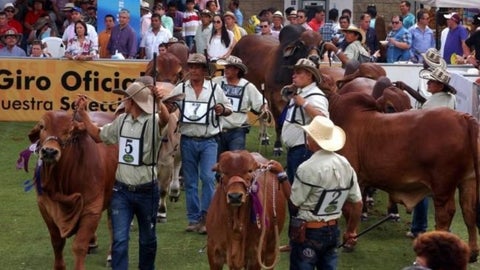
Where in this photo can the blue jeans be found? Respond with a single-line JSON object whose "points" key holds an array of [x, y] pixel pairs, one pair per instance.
{"points": [[198, 158], [319, 250], [125, 204], [420, 219], [232, 140], [296, 156], [190, 40]]}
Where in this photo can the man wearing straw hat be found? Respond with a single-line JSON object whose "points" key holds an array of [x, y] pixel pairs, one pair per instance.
{"points": [[135, 192], [244, 97], [324, 184], [200, 126], [10, 40], [305, 101]]}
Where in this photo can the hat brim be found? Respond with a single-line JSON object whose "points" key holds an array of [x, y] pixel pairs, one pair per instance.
{"points": [[145, 106], [240, 66], [430, 63], [2, 37], [313, 71], [428, 75], [362, 36], [336, 142]]}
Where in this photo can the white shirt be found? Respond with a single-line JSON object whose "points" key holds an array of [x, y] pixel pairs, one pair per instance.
{"points": [[70, 33], [150, 41], [216, 49]]}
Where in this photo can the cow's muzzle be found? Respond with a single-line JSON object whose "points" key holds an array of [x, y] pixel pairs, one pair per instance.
{"points": [[49, 154], [235, 199]]}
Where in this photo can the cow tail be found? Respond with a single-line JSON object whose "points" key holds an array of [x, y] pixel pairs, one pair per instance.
{"points": [[473, 134]]}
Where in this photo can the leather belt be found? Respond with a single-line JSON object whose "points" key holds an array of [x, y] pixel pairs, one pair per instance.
{"points": [[320, 224], [200, 138], [142, 188]]}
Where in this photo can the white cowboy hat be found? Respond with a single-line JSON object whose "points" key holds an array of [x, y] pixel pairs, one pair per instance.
{"points": [[433, 59], [326, 134], [304, 63], [440, 75], [233, 61], [145, 5], [141, 95]]}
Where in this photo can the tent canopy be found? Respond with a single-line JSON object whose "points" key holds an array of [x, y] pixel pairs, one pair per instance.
{"points": [[452, 3]]}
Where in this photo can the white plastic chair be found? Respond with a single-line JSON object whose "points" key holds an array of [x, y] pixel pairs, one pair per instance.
{"points": [[55, 46]]}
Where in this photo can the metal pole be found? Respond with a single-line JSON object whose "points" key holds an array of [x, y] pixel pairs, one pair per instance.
{"points": [[373, 226]]}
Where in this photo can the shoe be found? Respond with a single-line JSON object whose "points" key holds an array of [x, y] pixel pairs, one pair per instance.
{"points": [[412, 235], [285, 248], [192, 227], [201, 229]]}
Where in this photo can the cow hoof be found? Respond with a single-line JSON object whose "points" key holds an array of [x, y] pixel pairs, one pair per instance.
{"points": [[370, 202], [92, 248], [473, 257], [174, 198], [364, 217], [277, 152], [394, 217], [109, 261]]}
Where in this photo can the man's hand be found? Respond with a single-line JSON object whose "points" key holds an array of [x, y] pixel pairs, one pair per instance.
{"points": [[329, 46]]}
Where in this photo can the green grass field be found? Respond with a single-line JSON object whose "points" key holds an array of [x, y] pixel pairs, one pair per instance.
{"points": [[25, 243]]}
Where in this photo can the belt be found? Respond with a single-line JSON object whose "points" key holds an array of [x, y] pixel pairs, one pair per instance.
{"points": [[142, 188], [297, 146], [226, 130], [200, 138], [320, 224]]}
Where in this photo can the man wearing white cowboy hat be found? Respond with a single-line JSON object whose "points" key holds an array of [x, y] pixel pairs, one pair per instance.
{"points": [[443, 94], [244, 97], [324, 184], [305, 102], [431, 60], [145, 20], [10, 41], [135, 191], [200, 126]]}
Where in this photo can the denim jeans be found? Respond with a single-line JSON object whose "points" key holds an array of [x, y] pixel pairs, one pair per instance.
{"points": [[420, 219], [296, 156], [232, 140], [198, 158], [319, 251], [125, 204], [190, 40]]}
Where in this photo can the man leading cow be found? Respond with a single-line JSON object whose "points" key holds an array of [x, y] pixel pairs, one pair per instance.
{"points": [[306, 101], [324, 185], [243, 96], [135, 191]]}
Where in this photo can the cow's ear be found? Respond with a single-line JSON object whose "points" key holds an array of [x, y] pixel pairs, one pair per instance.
{"points": [[34, 134]]}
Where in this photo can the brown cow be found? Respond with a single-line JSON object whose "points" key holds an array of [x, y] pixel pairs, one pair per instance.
{"points": [[413, 154], [269, 63], [74, 181], [233, 236]]}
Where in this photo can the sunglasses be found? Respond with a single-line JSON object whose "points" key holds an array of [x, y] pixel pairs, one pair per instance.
{"points": [[218, 22], [264, 26], [10, 10], [395, 22]]}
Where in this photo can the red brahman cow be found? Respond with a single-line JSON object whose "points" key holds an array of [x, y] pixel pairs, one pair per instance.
{"points": [[269, 63], [74, 180], [413, 154], [244, 214]]}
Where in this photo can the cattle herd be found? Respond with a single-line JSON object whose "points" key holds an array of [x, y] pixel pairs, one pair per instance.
{"points": [[409, 154]]}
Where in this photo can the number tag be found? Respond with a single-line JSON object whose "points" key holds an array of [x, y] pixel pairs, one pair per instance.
{"points": [[235, 95], [195, 112], [129, 151], [331, 202]]}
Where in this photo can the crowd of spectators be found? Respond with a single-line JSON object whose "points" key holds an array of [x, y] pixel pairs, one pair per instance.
{"points": [[409, 34]]}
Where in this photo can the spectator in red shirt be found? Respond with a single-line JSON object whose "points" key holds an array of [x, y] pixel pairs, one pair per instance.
{"points": [[316, 22], [33, 15], [10, 10]]}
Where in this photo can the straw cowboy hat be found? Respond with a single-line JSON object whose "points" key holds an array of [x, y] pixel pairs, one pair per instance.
{"points": [[326, 134], [10, 32], [233, 61], [354, 29], [229, 13], [440, 75], [433, 59], [278, 13], [140, 93], [308, 65]]}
